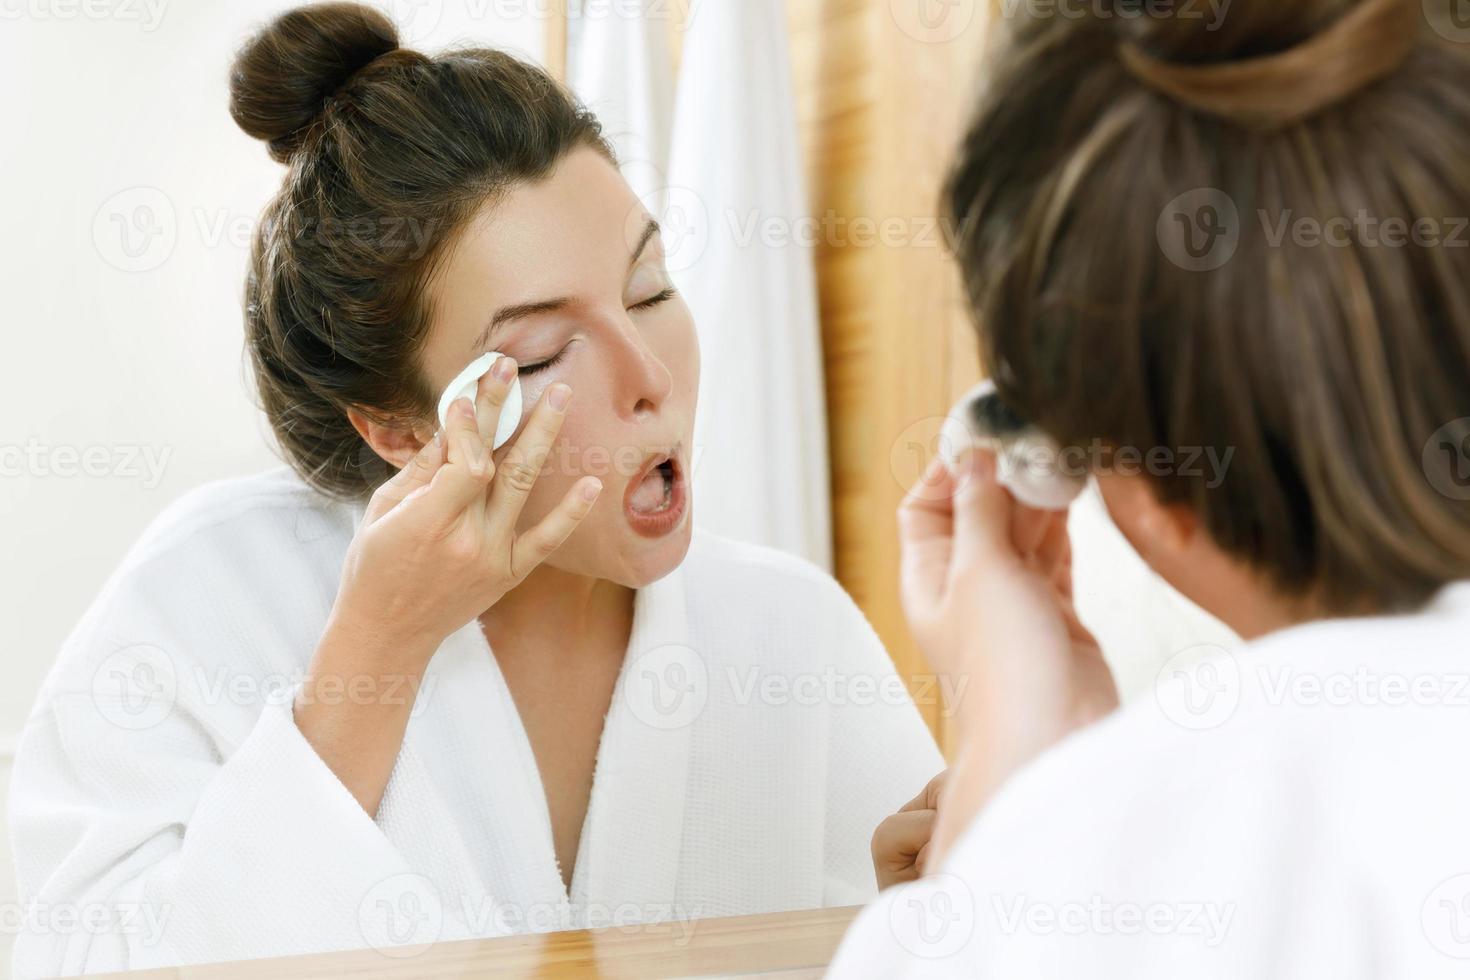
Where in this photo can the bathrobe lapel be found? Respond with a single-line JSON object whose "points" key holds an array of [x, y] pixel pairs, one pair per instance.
{"points": [[630, 845], [502, 853]]}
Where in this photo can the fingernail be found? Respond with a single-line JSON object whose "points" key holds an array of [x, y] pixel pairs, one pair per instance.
{"points": [[591, 490], [505, 369], [558, 396]]}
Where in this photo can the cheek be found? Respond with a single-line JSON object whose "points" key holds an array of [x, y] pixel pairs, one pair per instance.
{"points": [[572, 456]]}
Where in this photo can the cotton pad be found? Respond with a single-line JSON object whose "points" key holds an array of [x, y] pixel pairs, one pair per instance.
{"points": [[1028, 463], [465, 385]]}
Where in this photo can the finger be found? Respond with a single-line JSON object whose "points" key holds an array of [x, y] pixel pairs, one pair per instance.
{"points": [[416, 473], [460, 484], [928, 797], [1053, 545], [493, 390], [982, 515], [521, 465], [921, 860], [542, 541], [926, 535], [1029, 526], [899, 839]]}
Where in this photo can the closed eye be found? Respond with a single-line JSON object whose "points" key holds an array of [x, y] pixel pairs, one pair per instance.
{"points": [[543, 365], [655, 299]]}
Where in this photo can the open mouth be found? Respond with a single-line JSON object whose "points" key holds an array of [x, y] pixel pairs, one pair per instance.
{"points": [[656, 499]]}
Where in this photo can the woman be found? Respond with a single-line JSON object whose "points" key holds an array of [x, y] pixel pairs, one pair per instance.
{"points": [[1298, 809], [327, 707]]}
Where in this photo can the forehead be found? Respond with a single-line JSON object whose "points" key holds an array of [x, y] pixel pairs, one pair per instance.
{"points": [[569, 234]]}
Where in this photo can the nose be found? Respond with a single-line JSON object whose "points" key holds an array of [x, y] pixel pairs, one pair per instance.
{"points": [[643, 381]]}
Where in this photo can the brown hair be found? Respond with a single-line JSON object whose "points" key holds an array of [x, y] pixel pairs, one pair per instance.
{"points": [[1330, 370], [388, 152]]}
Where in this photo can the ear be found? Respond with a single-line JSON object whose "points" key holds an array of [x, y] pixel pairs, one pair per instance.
{"points": [[1164, 535], [395, 444]]}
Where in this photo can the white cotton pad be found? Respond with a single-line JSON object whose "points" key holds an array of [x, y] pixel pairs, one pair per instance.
{"points": [[465, 385], [1028, 463]]}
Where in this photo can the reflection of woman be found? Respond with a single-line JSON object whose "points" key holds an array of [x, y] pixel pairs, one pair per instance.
{"points": [[1299, 809], [521, 709]]}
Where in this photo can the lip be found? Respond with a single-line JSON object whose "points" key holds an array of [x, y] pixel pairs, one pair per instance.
{"points": [[659, 524]]}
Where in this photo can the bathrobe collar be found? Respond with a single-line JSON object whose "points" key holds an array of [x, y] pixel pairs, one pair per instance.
{"points": [[629, 849]]}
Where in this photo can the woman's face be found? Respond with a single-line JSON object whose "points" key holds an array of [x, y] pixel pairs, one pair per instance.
{"points": [[567, 275]]}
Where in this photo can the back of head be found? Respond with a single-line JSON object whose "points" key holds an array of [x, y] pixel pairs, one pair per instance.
{"points": [[388, 153], [1247, 236]]}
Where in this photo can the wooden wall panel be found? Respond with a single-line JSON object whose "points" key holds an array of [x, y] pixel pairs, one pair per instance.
{"points": [[880, 105]]}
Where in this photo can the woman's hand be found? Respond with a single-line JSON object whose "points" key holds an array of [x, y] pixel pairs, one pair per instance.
{"points": [[901, 842], [438, 543], [437, 546], [987, 589]]}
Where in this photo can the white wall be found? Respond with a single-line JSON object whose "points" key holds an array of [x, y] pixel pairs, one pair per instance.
{"points": [[130, 354]]}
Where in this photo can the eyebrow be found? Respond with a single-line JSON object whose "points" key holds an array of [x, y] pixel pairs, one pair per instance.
{"points": [[520, 311]]}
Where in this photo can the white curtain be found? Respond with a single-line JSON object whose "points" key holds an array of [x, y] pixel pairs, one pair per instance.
{"points": [[619, 65], [737, 205]]}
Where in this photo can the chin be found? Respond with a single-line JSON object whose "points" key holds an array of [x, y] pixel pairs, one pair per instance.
{"points": [[648, 560]]}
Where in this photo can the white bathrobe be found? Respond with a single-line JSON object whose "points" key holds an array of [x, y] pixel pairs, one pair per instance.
{"points": [[164, 799], [1300, 808]]}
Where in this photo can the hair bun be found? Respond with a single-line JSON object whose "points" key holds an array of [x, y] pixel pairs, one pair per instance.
{"points": [[1347, 46], [284, 75]]}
